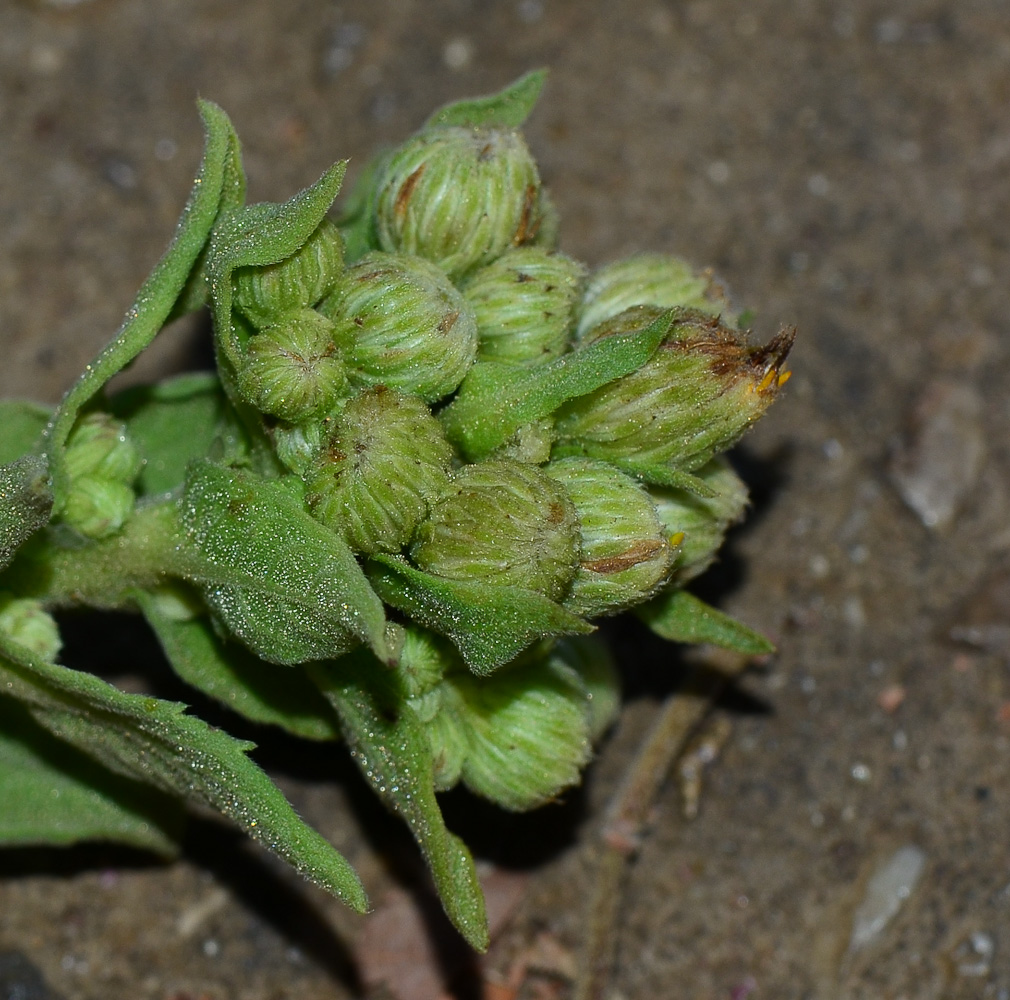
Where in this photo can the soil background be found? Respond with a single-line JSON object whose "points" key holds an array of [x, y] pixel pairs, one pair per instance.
{"points": [[842, 167]]}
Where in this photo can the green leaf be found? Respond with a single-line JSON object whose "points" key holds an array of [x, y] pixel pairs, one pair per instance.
{"points": [[357, 213], [195, 291], [152, 741], [257, 235], [289, 587], [52, 794], [490, 625], [21, 426], [509, 108], [171, 423], [231, 674], [659, 475], [681, 617], [159, 292], [496, 399], [26, 503], [389, 745]]}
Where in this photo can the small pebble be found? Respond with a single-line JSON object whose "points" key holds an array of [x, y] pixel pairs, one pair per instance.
{"points": [[938, 463], [861, 773], [891, 698], [457, 53], [974, 955], [889, 886]]}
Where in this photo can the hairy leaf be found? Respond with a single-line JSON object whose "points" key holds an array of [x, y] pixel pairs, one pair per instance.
{"points": [[21, 426], [286, 585], [490, 625], [171, 423], [53, 794], [257, 235], [681, 617], [389, 745], [496, 398], [153, 741], [159, 292], [357, 212], [509, 108], [231, 674], [26, 503]]}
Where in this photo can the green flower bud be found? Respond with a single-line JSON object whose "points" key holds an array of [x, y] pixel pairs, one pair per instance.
{"points": [[591, 661], [625, 554], [98, 447], [692, 399], [97, 508], [302, 280], [702, 520], [548, 234], [523, 303], [297, 445], [532, 443], [424, 658], [503, 522], [401, 323], [458, 197], [373, 479], [292, 369], [448, 736], [526, 731], [26, 621], [651, 279]]}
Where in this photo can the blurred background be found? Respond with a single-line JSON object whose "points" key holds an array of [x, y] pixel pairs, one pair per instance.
{"points": [[843, 167]]}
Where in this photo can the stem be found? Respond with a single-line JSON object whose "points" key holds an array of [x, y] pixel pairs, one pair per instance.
{"points": [[626, 816], [100, 574]]}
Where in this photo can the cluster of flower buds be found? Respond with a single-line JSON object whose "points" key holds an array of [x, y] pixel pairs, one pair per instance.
{"points": [[456, 396], [102, 465]]}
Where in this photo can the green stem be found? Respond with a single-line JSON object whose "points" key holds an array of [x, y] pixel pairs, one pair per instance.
{"points": [[101, 574]]}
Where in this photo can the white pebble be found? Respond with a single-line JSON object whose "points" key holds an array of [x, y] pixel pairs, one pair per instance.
{"points": [[890, 885]]}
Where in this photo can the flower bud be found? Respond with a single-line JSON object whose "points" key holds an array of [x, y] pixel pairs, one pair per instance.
{"points": [[590, 659], [292, 369], [702, 520], [625, 555], [526, 729], [448, 735], [701, 389], [649, 279], [523, 303], [401, 323], [98, 447], [503, 522], [532, 443], [458, 197], [302, 280], [96, 507], [297, 445], [424, 658], [373, 479], [548, 234], [26, 621]]}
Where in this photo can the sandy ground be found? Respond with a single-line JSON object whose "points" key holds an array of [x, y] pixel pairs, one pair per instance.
{"points": [[843, 167]]}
